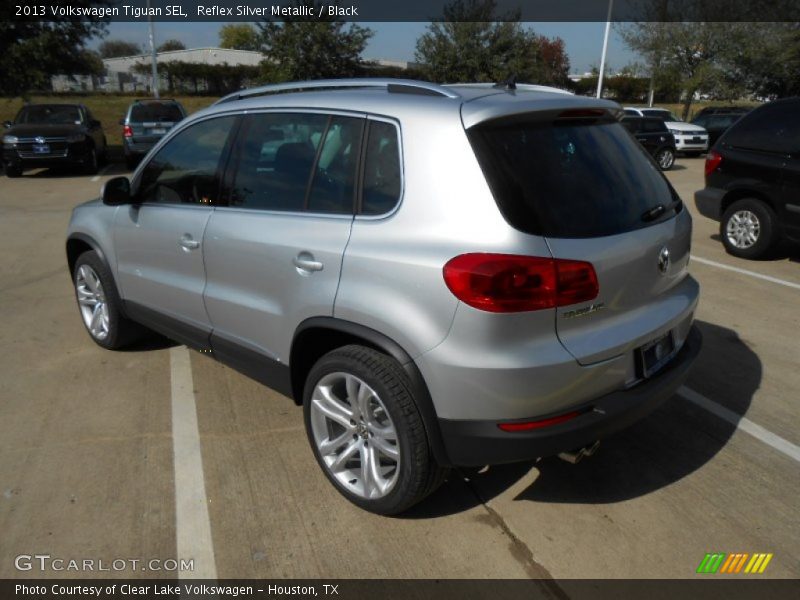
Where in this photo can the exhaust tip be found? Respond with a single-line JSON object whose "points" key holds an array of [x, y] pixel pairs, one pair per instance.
{"points": [[573, 457]]}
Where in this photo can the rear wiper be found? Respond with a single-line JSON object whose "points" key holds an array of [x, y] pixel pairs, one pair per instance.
{"points": [[659, 209]]}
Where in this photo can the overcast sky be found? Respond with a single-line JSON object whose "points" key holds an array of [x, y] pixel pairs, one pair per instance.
{"points": [[584, 41]]}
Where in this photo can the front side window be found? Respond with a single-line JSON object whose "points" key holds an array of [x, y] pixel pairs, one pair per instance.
{"points": [[184, 171], [382, 171], [297, 162]]}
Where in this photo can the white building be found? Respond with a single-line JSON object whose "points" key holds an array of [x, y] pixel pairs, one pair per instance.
{"points": [[120, 78]]}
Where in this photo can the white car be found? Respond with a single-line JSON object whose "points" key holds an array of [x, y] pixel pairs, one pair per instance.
{"points": [[691, 140]]}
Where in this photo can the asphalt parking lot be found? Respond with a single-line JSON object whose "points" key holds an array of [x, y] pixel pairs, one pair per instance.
{"points": [[93, 467]]}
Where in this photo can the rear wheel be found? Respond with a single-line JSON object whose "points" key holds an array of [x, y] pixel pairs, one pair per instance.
{"points": [[665, 158], [748, 228], [366, 432], [692, 154], [92, 162], [99, 304]]}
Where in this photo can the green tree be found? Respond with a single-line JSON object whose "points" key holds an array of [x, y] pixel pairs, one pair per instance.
{"points": [[32, 51], [319, 49], [170, 45], [697, 52], [471, 42], [116, 48], [239, 36]]}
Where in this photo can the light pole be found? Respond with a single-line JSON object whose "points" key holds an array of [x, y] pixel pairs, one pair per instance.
{"points": [[153, 51], [605, 47]]}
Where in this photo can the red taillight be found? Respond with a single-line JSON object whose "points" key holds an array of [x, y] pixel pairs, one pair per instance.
{"points": [[510, 283], [127, 131], [713, 160], [528, 425]]}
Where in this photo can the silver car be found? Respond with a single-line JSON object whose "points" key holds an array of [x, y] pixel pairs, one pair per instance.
{"points": [[441, 275]]}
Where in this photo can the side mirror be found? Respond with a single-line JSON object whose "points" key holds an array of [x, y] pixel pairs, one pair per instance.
{"points": [[116, 191], [7, 124], [122, 121], [95, 123]]}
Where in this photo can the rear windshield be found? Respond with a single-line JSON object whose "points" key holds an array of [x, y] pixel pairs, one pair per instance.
{"points": [[156, 111], [569, 179], [52, 114]]}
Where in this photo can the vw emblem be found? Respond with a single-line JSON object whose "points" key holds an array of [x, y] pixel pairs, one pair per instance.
{"points": [[663, 260], [39, 140]]}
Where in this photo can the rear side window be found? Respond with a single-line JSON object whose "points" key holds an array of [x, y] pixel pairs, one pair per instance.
{"points": [[156, 111], [773, 128], [184, 171], [569, 178], [654, 126], [382, 170], [297, 162]]}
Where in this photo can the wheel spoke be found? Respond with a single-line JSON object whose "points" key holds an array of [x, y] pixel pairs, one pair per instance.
{"points": [[331, 445], [386, 447], [374, 469], [345, 455], [332, 407], [366, 470]]}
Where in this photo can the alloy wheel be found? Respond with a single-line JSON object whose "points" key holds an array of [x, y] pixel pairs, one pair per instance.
{"points": [[743, 229], [92, 302], [354, 435]]}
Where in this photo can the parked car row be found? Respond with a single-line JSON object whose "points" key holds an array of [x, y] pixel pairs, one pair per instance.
{"points": [[68, 135]]}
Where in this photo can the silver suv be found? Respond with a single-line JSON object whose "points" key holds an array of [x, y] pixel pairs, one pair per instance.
{"points": [[441, 275]]}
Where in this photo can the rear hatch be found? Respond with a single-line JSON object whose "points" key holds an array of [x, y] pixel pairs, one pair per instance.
{"points": [[579, 179], [150, 121]]}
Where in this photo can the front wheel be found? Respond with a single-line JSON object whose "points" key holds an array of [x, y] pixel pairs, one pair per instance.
{"points": [[100, 305], [13, 172], [665, 158], [748, 228], [366, 431], [92, 163]]}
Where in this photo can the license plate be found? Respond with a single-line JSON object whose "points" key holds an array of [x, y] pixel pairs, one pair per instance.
{"points": [[41, 149], [159, 131], [654, 355], [696, 138]]}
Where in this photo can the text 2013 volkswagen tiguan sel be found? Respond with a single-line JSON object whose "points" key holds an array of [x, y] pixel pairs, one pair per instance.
{"points": [[440, 275]]}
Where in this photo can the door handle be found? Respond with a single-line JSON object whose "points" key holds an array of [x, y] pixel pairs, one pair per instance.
{"points": [[187, 243], [305, 262]]}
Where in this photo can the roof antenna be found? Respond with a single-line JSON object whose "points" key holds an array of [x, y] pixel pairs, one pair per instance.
{"points": [[508, 84]]}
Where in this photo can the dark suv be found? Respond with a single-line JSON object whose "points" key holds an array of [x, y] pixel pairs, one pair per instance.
{"points": [[653, 134], [753, 180], [145, 123], [52, 135], [717, 122]]}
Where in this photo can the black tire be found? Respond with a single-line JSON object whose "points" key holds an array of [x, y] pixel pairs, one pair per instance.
{"points": [[419, 474], [121, 331], [13, 172], [768, 232], [665, 158], [92, 164], [692, 154]]}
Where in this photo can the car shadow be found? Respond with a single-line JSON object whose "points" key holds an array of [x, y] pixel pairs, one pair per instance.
{"points": [[678, 167], [151, 341], [786, 250], [671, 443]]}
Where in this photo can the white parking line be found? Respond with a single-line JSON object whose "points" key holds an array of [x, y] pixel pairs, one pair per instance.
{"points": [[712, 263], [193, 527], [746, 425], [100, 174]]}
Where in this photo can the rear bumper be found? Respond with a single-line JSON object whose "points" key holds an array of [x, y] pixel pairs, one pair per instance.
{"points": [[478, 443], [709, 202]]}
